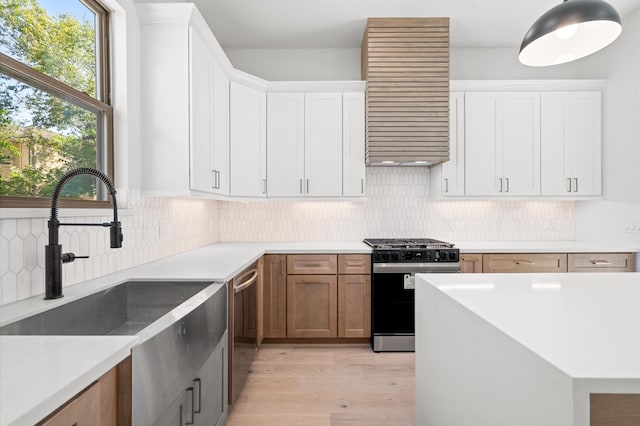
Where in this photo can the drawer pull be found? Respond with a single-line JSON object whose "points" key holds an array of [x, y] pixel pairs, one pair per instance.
{"points": [[601, 262], [524, 262], [311, 265]]}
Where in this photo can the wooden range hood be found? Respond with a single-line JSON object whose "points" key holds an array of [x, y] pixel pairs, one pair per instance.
{"points": [[405, 62]]}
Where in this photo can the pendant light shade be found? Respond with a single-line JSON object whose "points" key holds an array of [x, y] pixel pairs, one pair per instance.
{"points": [[569, 31]]}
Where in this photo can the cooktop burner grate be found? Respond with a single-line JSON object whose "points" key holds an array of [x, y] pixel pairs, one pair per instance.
{"points": [[409, 243]]}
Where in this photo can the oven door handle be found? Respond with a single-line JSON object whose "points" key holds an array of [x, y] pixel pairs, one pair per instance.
{"points": [[239, 287], [418, 268]]}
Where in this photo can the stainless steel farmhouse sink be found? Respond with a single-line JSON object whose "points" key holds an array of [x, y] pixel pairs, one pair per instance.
{"points": [[181, 353], [124, 309]]}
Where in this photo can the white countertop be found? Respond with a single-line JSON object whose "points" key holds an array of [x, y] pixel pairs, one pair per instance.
{"points": [[586, 324], [40, 373]]}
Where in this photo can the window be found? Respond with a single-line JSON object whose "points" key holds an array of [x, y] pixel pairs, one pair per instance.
{"points": [[54, 100]]}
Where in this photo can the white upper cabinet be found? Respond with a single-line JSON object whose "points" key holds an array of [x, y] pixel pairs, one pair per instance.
{"points": [[201, 95], [323, 144], [248, 149], [452, 181], [285, 144], [315, 144], [502, 143], [353, 166], [184, 103], [571, 138]]}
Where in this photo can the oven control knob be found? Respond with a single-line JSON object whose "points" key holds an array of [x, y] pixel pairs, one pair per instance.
{"points": [[395, 257], [453, 256], [444, 256]]}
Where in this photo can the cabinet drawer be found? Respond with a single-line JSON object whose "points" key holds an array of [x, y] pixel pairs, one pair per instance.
{"points": [[312, 264], [357, 264], [524, 262], [601, 262]]}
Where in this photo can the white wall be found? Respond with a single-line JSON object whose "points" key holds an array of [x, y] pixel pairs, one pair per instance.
{"points": [[298, 64], [620, 63]]}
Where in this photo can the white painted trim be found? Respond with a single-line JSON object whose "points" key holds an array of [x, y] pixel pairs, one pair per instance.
{"points": [[517, 85], [316, 86]]}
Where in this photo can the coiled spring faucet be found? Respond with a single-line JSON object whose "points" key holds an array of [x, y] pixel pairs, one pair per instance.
{"points": [[54, 258]]}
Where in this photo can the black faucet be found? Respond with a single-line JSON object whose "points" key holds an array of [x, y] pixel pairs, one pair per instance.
{"points": [[54, 258]]}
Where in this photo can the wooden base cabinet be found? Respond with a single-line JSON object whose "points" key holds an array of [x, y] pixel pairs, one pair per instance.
{"points": [[312, 306], [274, 315], [354, 305], [524, 262], [470, 263], [106, 402]]}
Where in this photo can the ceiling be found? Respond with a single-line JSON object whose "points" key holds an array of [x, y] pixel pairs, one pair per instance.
{"points": [[340, 23]]}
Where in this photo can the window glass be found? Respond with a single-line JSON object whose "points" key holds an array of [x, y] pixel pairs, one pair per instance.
{"points": [[53, 111]]}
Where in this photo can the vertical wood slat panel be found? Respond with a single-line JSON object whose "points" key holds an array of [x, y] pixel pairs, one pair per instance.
{"points": [[406, 64]]}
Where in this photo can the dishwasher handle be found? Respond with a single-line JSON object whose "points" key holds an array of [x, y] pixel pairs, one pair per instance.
{"points": [[237, 288]]}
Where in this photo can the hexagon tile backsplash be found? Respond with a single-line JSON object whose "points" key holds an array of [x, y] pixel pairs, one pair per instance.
{"points": [[153, 228], [397, 205]]}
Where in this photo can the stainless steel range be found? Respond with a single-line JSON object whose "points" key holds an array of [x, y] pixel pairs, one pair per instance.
{"points": [[394, 265]]}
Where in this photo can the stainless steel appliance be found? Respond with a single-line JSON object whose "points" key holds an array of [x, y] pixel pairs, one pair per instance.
{"points": [[394, 263], [242, 328]]}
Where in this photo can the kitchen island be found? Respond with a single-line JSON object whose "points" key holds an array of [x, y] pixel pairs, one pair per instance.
{"points": [[525, 349]]}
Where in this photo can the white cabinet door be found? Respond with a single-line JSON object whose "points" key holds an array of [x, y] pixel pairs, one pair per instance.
{"points": [[481, 136], [519, 143], [201, 89], [285, 144], [353, 167], [247, 141], [586, 143], [220, 149], [453, 170], [571, 143], [323, 144], [502, 143]]}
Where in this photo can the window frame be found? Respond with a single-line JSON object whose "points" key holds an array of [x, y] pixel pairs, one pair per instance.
{"points": [[100, 105]]}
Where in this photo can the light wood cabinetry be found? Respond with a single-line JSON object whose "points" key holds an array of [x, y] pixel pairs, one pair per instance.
{"points": [[312, 264], [406, 64], [106, 402], [317, 296], [524, 262], [312, 306], [470, 263], [571, 135], [502, 143], [354, 305], [248, 141], [275, 296], [601, 262]]}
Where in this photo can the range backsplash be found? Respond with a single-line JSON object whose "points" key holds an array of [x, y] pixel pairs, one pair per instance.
{"points": [[153, 228], [397, 205]]}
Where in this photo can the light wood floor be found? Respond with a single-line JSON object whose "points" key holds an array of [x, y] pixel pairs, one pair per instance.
{"points": [[322, 385]]}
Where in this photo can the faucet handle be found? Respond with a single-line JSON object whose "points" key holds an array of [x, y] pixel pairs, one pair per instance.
{"points": [[70, 257]]}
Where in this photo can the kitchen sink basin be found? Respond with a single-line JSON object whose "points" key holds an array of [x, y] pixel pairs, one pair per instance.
{"points": [[125, 309]]}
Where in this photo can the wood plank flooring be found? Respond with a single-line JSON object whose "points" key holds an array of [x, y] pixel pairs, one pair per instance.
{"points": [[327, 385]]}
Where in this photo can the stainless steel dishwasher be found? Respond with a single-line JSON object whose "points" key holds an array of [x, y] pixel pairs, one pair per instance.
{"points": [[180, 374], [242, 328]]}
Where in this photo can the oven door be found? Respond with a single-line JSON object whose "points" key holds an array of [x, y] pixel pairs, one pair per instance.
{"points": [[392, 312]]}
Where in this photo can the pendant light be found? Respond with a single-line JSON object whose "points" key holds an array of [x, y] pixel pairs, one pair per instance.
{"points": [[569, 31]]}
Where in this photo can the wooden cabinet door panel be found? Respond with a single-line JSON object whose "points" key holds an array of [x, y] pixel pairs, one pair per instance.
{"points": [[358, 264], [83, 410], [524, 262], [275, 295], [470, 263], [601, 262], [312, 264], [354, 305], [312, 309]]}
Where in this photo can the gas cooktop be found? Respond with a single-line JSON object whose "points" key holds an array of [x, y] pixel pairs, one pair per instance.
{"points": [[407, 243]]}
